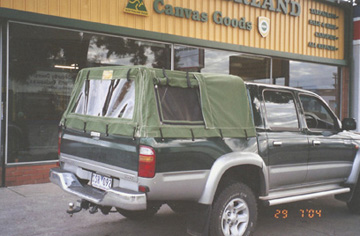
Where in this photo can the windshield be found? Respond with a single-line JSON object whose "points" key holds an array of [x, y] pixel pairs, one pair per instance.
{"points": [[106, 98]]}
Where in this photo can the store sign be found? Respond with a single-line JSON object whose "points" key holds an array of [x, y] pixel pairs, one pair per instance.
{"points": [[321, 24], [263, 26], [326, 22], [286, 7], [292, 8], [136, 7], [170, 10]]}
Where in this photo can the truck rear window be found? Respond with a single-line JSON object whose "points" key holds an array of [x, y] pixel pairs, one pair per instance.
{"points": [[179, 105], [107, 98]]}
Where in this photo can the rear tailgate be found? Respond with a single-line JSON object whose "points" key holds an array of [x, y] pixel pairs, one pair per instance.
{"points": [[111, 150]]}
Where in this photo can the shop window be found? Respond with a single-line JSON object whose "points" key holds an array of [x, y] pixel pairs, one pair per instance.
{"points": [[321, 79], [251, 68], [43, 63], [107, 50], [42, 70], [248, 67], [189, 59]]}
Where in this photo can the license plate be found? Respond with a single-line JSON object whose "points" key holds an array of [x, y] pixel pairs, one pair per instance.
{"points": [[101, 182]]}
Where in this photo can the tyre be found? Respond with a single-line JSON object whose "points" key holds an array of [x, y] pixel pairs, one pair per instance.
{"points": [[140, 215], [354, 203], [234, 211]]}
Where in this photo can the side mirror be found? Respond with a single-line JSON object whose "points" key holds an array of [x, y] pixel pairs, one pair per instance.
{"points": [[349, 124]]}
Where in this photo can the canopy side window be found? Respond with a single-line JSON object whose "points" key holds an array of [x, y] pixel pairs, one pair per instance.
{"points": [[179, 105]]}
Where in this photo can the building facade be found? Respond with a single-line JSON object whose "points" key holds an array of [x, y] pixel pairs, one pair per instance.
{"points": [[356, 66], [44, 43]]}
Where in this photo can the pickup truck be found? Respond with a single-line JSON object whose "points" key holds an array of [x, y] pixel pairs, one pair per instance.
{"points": [[209, 145]]}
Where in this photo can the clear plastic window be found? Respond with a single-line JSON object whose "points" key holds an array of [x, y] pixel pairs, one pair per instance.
{"points": [[107, 98], [123, 100]]}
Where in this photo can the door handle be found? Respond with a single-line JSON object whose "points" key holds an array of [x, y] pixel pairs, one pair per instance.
{"points": [[316, 143], [277, 143]]}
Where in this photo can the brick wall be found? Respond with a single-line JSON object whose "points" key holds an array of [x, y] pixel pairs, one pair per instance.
{"points": [[31, 174]]}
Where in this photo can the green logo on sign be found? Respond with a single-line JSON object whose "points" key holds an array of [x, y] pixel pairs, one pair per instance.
{"points": [[136, 7]]}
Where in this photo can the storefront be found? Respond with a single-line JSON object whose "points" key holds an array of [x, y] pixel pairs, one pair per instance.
{"points": [[356, 66], [299, 43]]}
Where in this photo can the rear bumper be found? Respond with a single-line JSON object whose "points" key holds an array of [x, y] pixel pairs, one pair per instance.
{"points": [[116, 197]]}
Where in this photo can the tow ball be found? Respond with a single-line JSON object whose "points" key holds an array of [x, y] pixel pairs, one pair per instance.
{"points": [[86, 205]]}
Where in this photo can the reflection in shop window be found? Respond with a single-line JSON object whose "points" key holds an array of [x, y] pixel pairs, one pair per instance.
{"points": [[320, 79], [188, 59], [43, 63], [249, 67], [107, 50], [39, 88]]}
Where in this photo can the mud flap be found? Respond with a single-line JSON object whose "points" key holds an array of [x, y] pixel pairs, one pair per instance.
{"points": [[198, 220]]}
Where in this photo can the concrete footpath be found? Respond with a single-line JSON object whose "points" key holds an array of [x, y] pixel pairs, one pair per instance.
{"points": [[40, 210]]}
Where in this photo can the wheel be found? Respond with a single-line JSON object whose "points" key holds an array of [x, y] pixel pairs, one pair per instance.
{"points": [[354, 203], [234, 211], [140, 215]]}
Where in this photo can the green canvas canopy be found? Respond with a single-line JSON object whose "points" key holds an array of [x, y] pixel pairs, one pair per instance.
{"points": [[146, 102]]}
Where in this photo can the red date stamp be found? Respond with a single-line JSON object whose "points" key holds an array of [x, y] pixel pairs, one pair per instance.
{"points": [[303, 213]]}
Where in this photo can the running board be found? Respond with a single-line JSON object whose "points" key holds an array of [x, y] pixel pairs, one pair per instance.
{"points": [[273, 202]]}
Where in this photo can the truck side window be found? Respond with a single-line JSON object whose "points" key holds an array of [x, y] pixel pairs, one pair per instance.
{"points": [[280, 110], [317, 114]]}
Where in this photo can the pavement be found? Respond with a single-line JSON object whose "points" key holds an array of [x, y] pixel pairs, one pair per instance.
{"points": [[40, 209]]}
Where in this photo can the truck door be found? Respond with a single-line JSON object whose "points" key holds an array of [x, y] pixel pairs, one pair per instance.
{"points": [[332, 151], [287, 143]]}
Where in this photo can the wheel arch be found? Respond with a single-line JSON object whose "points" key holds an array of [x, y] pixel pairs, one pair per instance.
{"points": [[236, 167]]}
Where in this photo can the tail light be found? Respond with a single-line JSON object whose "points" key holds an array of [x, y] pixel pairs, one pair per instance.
{"points": [[147, 160]]}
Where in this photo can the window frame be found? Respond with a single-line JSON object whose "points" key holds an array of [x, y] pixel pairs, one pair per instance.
{"points": [[176, 122], [265, 112], [253, 93], [337, 127]]}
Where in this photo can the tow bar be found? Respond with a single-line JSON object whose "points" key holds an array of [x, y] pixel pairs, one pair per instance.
{"points": [[86, 205]]}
